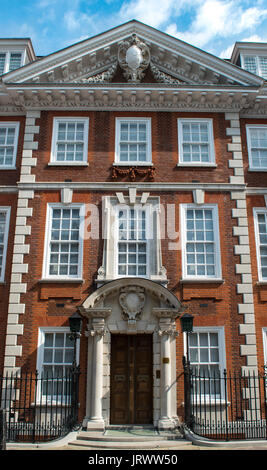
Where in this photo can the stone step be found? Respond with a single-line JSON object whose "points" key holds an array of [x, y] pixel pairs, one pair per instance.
{"points": [[130, 445], [124, 437]]}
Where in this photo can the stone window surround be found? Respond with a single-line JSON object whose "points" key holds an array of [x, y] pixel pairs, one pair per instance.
{"points": [[108, 270]]}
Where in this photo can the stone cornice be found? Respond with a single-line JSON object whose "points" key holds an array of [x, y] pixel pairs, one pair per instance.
{"points": [[151, 97], [119, 186]]}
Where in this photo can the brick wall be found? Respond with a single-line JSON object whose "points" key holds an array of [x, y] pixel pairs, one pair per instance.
{"points": [[101, 148], [50, 304]]}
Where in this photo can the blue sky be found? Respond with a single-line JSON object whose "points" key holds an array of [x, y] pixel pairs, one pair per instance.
{"points": [[211, 25]]}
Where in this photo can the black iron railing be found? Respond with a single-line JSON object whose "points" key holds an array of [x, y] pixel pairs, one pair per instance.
{"points": [[225, 406], [39, 407]]}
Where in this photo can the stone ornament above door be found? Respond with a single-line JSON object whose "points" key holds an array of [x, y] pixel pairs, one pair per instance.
{"points": [[132, 300]]}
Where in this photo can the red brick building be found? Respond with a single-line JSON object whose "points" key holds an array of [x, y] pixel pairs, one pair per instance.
{"points": [[132, 171]]}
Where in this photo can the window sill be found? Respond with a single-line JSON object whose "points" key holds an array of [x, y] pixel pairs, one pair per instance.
{"points": [[259, 170], [133, 164], [67, 164], [47, 403], [197, 165], [202, 281], [207, 401], [8, 168], [62, 281]]}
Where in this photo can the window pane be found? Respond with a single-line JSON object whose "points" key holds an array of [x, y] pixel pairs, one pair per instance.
{"points": [[15, 61], [49, 339], [2, 63], [59, 340], [250, 64]]}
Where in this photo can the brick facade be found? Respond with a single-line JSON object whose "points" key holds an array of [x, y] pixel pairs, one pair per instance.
{"points": [[236, 302]]}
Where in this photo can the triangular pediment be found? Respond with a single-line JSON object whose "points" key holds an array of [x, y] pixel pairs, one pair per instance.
{"points": [[103, 59]]}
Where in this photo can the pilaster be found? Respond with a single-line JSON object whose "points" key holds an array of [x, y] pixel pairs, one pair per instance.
{"points": [[21, 248], [242, 248]]}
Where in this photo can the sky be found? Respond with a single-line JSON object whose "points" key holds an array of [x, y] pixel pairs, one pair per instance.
{"points": [[211, 25]]}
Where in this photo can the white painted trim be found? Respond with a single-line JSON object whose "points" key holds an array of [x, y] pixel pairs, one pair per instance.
{"points": [[7, 210], [46, 252], [7, 51], [248, 127], [16, 126], [256, 211], [136, 119], [264, 339], [56, 122], [254, 55], [40, 351], [221, 337], [210, 142], [218, 269], [40, 345], [222, 351]]}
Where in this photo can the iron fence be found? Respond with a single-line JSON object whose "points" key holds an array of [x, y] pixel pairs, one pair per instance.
{"points": [[225, 406], [39, 407]]}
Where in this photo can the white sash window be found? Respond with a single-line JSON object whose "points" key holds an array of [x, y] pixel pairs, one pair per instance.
{"points": [[133, 141], [200, 242], [70, 141], [9, 132], [196, 146], [63, 254]]}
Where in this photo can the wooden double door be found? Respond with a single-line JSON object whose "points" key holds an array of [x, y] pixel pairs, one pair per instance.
{"points": [[131, 379]]}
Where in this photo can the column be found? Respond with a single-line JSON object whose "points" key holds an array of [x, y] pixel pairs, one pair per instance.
{"points": [[96, 419], [96, 331], [167, 331], [164, 421]]}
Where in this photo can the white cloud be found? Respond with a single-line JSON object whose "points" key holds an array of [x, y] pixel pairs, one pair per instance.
{"points": [[219, 19], [255, 38], [152, 12], [76, 21]]}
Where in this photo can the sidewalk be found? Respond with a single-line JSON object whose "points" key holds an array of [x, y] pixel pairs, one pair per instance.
{"points": [[190, 443]]}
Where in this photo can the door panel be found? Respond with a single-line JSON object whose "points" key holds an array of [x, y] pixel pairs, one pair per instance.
{"points": [[119, 380], [131, 379]]}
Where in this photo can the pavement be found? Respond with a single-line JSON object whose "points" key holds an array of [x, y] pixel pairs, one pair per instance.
{"points": [[190, 442]]}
